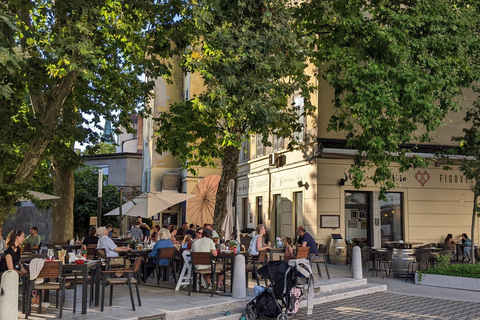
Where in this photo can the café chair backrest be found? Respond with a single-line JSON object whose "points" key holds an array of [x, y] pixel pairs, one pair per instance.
{"points": [[166, 253], [51, 269], [101, 253], [137, 264], [302, 252], [201, 258]]}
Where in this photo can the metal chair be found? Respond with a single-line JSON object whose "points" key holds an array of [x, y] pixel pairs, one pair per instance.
{"points": [[130, 277], [380, 263]]}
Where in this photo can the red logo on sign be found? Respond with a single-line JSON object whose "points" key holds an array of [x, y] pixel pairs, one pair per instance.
{"points": [[422, 178]]}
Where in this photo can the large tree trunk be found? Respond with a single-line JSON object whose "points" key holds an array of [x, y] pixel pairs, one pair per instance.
{"points": [[62, 211], [229, 171]]}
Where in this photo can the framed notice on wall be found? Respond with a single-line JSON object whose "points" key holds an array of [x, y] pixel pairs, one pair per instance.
{"points": [[330, 221]]}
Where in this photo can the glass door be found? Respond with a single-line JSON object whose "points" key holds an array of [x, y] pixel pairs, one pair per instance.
{"points": [[391, 217], [357, 217]]}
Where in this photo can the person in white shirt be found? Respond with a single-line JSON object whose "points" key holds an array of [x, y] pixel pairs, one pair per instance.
{"points": [[210, 227], [111, 249], [205, 244]]}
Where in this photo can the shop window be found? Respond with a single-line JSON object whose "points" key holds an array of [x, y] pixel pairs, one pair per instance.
{"points": [[245, 214], [277, 213]]}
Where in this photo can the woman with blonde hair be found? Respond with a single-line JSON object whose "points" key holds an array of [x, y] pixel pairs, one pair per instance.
{"points": [[256, 244], [186, 241]]}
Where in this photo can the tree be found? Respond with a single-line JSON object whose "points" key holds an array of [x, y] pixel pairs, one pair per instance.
{"points": [[85, 204], [252, 59], [64, 65], [397, 68], [100, 148], [469, 146]]}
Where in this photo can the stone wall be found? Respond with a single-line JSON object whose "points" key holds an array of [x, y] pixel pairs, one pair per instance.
{"points": [[29, 216]]}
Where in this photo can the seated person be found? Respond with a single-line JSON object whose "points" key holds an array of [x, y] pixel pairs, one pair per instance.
{"points": [[288, 249], [450, 244], [32, 242], [111, 249], [136, 233], [110, 230], [183, 229], [92, 236], [256, 244], [467, 250], [306, 240], [210, 227], [186, 241], [205, 244], [164, 242], [173, 233], [191, 231], [11, 256]]}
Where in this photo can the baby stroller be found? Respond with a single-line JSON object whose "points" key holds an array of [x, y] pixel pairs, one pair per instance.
{"points": [[282, 296]]}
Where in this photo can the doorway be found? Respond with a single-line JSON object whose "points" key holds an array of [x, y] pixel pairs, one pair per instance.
{"points": [[357, 216]]}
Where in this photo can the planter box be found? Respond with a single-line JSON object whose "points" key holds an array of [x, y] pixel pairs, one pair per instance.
{"points": [[436, 280]]}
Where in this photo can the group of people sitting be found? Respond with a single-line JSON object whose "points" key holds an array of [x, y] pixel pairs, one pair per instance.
{"points": [[451, 244]]}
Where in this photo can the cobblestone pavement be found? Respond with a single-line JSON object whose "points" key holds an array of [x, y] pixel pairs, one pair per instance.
{"points": [[392, 306]]}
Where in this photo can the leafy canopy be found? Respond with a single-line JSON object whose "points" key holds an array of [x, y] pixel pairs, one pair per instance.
{"points": [[397, 68], [252, 60]]}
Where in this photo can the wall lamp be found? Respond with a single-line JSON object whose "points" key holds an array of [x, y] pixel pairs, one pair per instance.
{"points": [[302, 184]]}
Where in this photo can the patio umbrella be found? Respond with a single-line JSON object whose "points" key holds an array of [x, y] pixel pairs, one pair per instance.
{"points": [[40, 196], [230, 217], [151, 203], [200, 209]]}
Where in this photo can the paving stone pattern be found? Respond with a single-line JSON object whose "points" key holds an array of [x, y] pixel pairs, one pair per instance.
{"points": [[392, 306]]}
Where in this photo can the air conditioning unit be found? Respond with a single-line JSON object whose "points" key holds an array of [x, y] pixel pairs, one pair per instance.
{"points": [[277, 160], [272, 158]]}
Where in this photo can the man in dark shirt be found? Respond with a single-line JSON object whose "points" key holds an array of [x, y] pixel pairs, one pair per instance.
{"points": [[191, 231], [306, 240], [182, 231]]}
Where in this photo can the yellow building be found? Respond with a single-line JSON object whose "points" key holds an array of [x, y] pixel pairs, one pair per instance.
{"points": [[311, 187]]}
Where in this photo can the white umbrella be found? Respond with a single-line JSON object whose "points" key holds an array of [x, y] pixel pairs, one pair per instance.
{"points": [[149, 204], [40, 196], [227, 225]]}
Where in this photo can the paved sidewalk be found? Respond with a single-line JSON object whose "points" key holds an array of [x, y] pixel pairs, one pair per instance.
{"points": [[389, 305], [383, 306]]}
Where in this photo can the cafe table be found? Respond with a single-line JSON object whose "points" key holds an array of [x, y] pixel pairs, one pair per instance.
{"points": [[69, 247], [229, 257], [93, 267], [275, 250], [403, 245]]}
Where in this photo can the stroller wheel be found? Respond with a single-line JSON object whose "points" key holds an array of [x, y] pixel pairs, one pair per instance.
{"points": [[251, 315], [282, 316]]}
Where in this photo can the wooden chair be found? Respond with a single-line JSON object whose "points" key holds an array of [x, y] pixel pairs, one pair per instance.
{"points": [[91, 251], [320, 257], [302, 253], [50, 270], [202, 258], [253, 264], [129, 279], [165, 253]]}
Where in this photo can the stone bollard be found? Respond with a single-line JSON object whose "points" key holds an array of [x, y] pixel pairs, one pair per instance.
{"points": [[239, 291], [9, 296], [357, 272]]}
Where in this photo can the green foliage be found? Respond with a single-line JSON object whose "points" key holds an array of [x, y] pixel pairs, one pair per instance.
{"points": [[100, 148], [397, 68], [456, 270], [65, 64], [252, 59], [85, 203]]}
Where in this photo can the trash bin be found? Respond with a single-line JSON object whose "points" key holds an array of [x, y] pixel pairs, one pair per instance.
{"points": [[338, 251]]}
